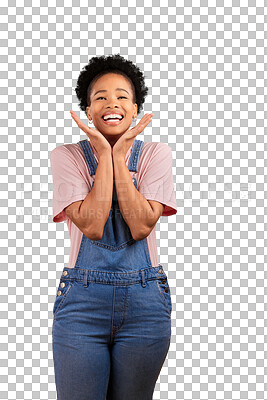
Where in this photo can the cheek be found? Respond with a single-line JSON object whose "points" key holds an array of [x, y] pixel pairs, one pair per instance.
{"points": [[129, 112]]}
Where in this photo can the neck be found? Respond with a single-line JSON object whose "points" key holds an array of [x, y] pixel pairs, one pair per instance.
{"points": [[112, 139]]}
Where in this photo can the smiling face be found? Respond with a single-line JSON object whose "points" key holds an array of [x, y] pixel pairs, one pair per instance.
{"points": [[112, 93]]}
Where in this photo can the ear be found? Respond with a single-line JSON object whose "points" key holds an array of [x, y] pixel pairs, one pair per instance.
{"points": [[135, 110]]}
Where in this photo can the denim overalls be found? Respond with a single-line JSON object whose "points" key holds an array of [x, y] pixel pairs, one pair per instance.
{"points": [[112, 313]]}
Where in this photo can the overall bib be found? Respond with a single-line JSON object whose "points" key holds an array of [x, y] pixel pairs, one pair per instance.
{"points": [[112, 313]]}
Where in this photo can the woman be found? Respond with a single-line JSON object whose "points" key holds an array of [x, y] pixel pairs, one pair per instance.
{"points": [[112, 312]]}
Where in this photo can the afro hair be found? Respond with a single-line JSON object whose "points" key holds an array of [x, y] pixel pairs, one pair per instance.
{"points": [[99, 66]]}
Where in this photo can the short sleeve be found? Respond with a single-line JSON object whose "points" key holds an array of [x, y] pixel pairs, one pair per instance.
{"points": [[157, 181], [69, 184]]}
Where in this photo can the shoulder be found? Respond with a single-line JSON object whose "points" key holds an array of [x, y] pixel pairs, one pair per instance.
{"points": [[70, 149], [156, 146], [67, 153], [155, 159], [157, 150]]}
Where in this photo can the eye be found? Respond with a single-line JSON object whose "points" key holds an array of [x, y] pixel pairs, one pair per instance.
{"points": [[123, 97]]}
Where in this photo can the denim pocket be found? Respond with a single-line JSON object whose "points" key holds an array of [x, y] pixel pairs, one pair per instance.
{"points": [[62, 293], [165, 293]]}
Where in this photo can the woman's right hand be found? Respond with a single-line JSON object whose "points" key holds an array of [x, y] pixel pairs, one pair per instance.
{"points": [[99, 142]]}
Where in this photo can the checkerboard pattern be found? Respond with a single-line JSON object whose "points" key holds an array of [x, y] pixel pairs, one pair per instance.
{"points": [[204, 63]]}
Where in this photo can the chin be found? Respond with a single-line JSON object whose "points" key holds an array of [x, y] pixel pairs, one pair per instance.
{"points": [[114, 130], [112, 133]]}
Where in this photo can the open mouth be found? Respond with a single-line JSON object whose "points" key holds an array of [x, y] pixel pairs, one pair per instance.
{"points": [[113, 121]]}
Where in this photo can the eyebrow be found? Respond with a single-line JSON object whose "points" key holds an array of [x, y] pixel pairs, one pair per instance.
{"points": [[106, 91]]}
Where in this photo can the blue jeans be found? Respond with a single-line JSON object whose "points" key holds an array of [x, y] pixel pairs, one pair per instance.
{"points": [[111, 333], [112, 313]]}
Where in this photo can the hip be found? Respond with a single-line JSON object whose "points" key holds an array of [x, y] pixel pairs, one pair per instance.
{"points": [[141, 295]]}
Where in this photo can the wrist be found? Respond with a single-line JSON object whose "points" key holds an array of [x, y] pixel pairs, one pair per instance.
{"points": [[118, 157], [105, 154], [119, 161]]}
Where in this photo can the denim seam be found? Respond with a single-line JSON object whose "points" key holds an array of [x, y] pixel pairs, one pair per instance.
{"points": [[80, 250], [147, 252], [159, 266], [135, 155], [112, 248], [138, 154], [114, 281], [115, 329], [131, 165], [89, 156]]}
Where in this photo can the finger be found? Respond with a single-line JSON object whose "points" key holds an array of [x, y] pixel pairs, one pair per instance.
{"points": [[145, 118], [144, 122], [148, 115], [148, 118], [75, 117], [80, 124], [140, 127]]}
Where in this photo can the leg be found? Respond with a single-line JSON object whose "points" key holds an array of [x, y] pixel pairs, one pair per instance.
{"points": [[81, 369], [135, 368], [140, 344], [81, 331]]}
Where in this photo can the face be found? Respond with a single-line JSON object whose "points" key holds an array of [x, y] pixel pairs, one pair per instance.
{"points": [[116, 96]]}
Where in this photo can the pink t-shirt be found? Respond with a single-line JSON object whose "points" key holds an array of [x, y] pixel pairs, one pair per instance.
{"points": [[72, 182]]}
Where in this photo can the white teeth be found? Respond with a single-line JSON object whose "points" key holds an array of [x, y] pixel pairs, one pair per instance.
{"points": [[112, 116]]}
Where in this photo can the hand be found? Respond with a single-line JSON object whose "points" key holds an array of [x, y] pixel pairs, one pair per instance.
{"points": [[123, 144], [99, 142]]}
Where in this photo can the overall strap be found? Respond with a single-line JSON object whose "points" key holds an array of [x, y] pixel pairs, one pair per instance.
{"points": [[89, 156], [91, 161], [135, 155]]}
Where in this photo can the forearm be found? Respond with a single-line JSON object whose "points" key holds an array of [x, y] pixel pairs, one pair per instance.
{"points": [[97, 204], [134, 208]]}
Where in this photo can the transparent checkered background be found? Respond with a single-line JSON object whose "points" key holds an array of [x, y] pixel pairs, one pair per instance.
{"points": [[204, 64]]}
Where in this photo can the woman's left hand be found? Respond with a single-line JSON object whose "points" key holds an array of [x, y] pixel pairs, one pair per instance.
{"points": [[123, 144]]}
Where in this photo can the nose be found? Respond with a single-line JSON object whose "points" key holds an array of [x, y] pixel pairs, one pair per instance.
{"points": [[112, 103]]}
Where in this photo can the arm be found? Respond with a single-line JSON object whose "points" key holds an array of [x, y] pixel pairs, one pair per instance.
{"points": [[90, 215], [140, 214]]}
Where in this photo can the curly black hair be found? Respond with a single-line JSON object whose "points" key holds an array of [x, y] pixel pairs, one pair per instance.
{"points": [[102, 65]]}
